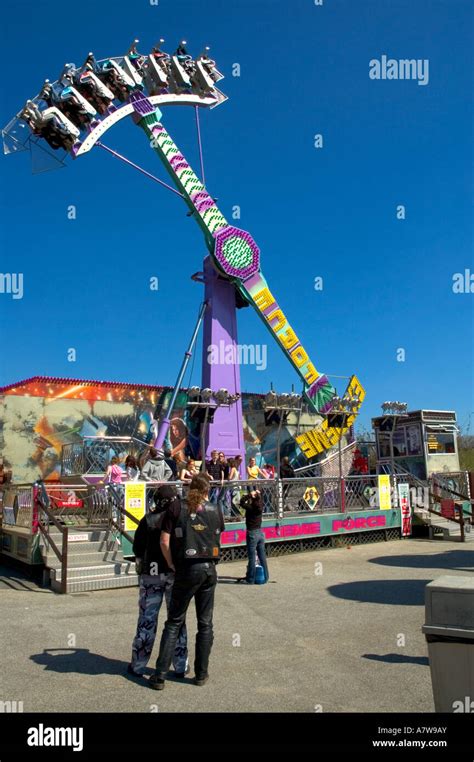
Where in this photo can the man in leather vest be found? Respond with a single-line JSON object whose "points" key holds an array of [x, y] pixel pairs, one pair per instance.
{"points": [[190, 543]]}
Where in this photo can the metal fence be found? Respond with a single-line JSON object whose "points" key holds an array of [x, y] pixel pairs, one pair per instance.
{"points": [[17, 505], [92, 504], [93, 454]]}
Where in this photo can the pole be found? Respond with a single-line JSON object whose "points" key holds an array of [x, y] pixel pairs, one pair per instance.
{"points": [[200, 145], [392, 455], [203, 441], [140, 169], [165, 423], [278, 442], [342, 485]]}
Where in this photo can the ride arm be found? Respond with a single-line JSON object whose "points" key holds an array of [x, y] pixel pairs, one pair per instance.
{"points": [[236, 256]]}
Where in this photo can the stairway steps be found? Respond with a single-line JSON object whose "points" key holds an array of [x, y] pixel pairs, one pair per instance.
{"points": [[84, 559], [95, 560], [93, 535], [118, 569], [90, 546], [97, 583]]}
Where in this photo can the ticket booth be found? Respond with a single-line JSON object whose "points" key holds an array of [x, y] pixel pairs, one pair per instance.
{"points": [[422, 442]]}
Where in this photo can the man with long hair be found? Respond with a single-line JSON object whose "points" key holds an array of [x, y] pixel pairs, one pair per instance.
{"points": [[190, 543]]}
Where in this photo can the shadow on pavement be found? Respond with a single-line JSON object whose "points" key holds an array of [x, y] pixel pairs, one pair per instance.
{"points": [[457, 560], [12, 578], [81, 661], [398, 659], [396, 592]]}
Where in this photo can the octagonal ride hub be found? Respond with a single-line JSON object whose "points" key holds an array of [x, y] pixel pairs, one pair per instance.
{"points": [[236, 253]]}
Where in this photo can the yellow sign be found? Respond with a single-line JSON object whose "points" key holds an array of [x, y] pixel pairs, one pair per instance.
{"points": [[135, 503], [279, 325], [385, 502], [322, 438], [311, 497]]}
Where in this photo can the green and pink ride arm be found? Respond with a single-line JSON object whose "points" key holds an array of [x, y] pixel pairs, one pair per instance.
{"points": [[234, 253]]}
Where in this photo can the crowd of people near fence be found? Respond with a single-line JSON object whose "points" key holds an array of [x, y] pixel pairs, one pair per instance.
{"points": [[226, 475], [158, 465]]}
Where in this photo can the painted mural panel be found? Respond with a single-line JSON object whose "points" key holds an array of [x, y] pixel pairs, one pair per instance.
{"points": [[40, 416]]}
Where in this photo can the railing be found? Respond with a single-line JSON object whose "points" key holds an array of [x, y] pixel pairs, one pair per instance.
{"points": [[429, 496], [93, 454], [450, 485], [45, 517]]}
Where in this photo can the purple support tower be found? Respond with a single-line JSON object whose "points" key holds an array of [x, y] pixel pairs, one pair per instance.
{"points": [[220, 330]]}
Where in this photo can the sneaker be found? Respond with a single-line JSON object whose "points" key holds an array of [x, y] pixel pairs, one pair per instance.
{"points": [[201, 680], [131, 671], [155, 682]]}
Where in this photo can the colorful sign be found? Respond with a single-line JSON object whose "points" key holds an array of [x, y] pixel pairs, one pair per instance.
{"points": [[404, 499], [322, 437], [293, 528], [311, 497], [358, 523], [238, 536], [385, 502], [135, 503]]}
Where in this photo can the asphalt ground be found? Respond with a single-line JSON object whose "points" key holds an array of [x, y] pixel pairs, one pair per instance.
{"points": [[334, 630]]}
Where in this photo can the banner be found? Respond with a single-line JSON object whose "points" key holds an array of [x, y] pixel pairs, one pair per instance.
{"points": [[404, 499], [385, 502], [135, 502]]}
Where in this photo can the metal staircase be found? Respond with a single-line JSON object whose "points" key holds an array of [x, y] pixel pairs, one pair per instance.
{"points": [[94, 561], [454, 524], [80, 540]]}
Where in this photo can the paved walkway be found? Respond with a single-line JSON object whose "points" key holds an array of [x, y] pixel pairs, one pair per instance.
{"points": [[330, 640]]}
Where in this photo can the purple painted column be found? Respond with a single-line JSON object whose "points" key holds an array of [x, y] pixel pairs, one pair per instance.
{"points": [[220, 330]]}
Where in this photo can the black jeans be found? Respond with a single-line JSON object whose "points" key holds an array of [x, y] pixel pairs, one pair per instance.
{"points": [[193, 580]]}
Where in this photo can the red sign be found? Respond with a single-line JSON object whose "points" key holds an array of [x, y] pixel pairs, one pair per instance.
{"points": [[361, 522]]}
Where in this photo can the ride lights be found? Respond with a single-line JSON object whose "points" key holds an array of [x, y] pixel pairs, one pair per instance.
{"points": [[284, 401], [271, 400], [394, 408], [209, 398], [222, 396], [342, 408]]}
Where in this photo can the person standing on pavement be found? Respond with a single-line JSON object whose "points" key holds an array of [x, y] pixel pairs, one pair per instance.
{"points": [[156, 582], [252, 505], [190, 543]]}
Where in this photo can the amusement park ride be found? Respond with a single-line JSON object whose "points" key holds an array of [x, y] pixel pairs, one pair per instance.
{"points": [[75, 112]]}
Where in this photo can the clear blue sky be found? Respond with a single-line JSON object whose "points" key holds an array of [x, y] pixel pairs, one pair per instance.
{"points": [[328, 212]]}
